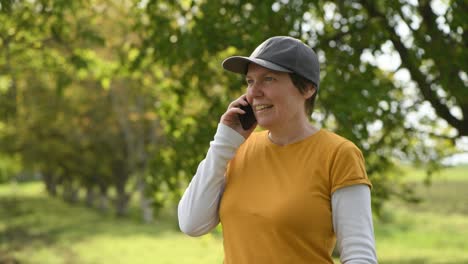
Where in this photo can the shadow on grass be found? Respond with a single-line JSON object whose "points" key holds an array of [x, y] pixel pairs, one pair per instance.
{"points": [[43, 221]]}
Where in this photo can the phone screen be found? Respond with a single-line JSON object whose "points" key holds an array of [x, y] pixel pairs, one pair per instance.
{"points": [[248, 119]]}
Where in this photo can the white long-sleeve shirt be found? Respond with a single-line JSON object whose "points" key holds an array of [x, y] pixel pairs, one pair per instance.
{"points": [[198, 208]]}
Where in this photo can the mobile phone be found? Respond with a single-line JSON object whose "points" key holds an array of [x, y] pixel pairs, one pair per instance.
{"points": [[248, 119]]}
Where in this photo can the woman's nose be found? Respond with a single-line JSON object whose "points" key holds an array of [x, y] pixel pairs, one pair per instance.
{"points": [[254, 90]]}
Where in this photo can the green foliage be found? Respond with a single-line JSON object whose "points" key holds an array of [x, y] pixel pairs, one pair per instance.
{"points": [[357, 99], [126, 95]]}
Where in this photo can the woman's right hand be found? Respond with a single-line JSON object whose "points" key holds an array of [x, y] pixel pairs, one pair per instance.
{"points": [[231, 119]]}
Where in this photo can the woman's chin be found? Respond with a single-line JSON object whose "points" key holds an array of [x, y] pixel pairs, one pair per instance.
{"points": [[264, 123]]}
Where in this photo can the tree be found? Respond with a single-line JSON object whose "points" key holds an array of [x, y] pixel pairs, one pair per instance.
{"points": [[62, 67], [439, 72], [358, 99], [126, 95]]}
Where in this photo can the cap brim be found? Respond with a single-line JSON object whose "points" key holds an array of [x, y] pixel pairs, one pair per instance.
{"points": [[238, 64]]}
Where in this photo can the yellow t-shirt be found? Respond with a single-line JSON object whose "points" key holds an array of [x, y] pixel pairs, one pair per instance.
{"points": [[276, 206]]}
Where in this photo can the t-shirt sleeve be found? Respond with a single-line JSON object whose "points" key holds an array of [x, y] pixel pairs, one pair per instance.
{"points": [[348, 167]]}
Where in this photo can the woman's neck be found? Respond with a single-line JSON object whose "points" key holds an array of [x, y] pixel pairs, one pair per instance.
{"points": [[288, 134]]}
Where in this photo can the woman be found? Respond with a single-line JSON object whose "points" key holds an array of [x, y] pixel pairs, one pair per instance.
{"points": [[289, 193]]}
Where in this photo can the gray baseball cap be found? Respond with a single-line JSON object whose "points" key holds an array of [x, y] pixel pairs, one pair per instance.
{"points": [[281, 53]]}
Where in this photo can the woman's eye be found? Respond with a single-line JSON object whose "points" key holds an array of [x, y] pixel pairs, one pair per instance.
{"points": [[249, 82], [269, 78]]}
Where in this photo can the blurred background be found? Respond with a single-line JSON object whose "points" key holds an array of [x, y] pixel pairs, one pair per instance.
{"points": [[108, 106]]}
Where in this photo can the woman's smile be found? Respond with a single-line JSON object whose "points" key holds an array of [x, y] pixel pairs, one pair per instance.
{"points": [[262, 107]]}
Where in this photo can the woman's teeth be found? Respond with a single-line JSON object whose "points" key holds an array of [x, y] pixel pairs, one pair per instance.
{"points": [[261, 107]]}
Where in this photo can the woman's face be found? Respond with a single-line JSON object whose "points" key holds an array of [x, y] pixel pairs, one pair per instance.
{"points": [[274, 98]]}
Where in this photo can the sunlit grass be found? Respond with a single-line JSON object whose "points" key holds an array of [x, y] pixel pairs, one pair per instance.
{"points": [[37, 229], [422, 236], [433, 230], [457, 173], [173, 248]]}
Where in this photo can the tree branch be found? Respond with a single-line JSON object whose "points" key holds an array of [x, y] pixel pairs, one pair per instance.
{"points": [[441, 109]]}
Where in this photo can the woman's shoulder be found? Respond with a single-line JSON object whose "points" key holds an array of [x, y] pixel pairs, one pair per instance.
{"points": [[335, 140]]}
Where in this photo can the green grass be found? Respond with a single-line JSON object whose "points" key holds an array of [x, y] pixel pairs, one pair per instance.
{"points": [[422, 237], [433, 230], [457, 173], [35, 228]]}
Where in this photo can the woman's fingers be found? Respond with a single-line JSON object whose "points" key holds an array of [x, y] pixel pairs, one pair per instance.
{"points": [[238, 102], [231, 116]]}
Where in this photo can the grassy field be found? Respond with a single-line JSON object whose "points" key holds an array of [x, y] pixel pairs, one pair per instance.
{"points": [[37, 229]]}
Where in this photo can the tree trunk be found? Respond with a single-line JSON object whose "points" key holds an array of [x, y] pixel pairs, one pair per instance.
{"points": [[121, 202], [90, 196], [122, 199], [145, 202], [50, 183], [74, 195], [103, 203], [70, 193], [66, 191]]}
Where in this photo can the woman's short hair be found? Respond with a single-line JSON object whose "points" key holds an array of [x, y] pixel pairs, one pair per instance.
{"points": [[301, 84]]}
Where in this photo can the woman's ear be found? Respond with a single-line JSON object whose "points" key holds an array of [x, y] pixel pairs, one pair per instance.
{"points": [[309, 91]]}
